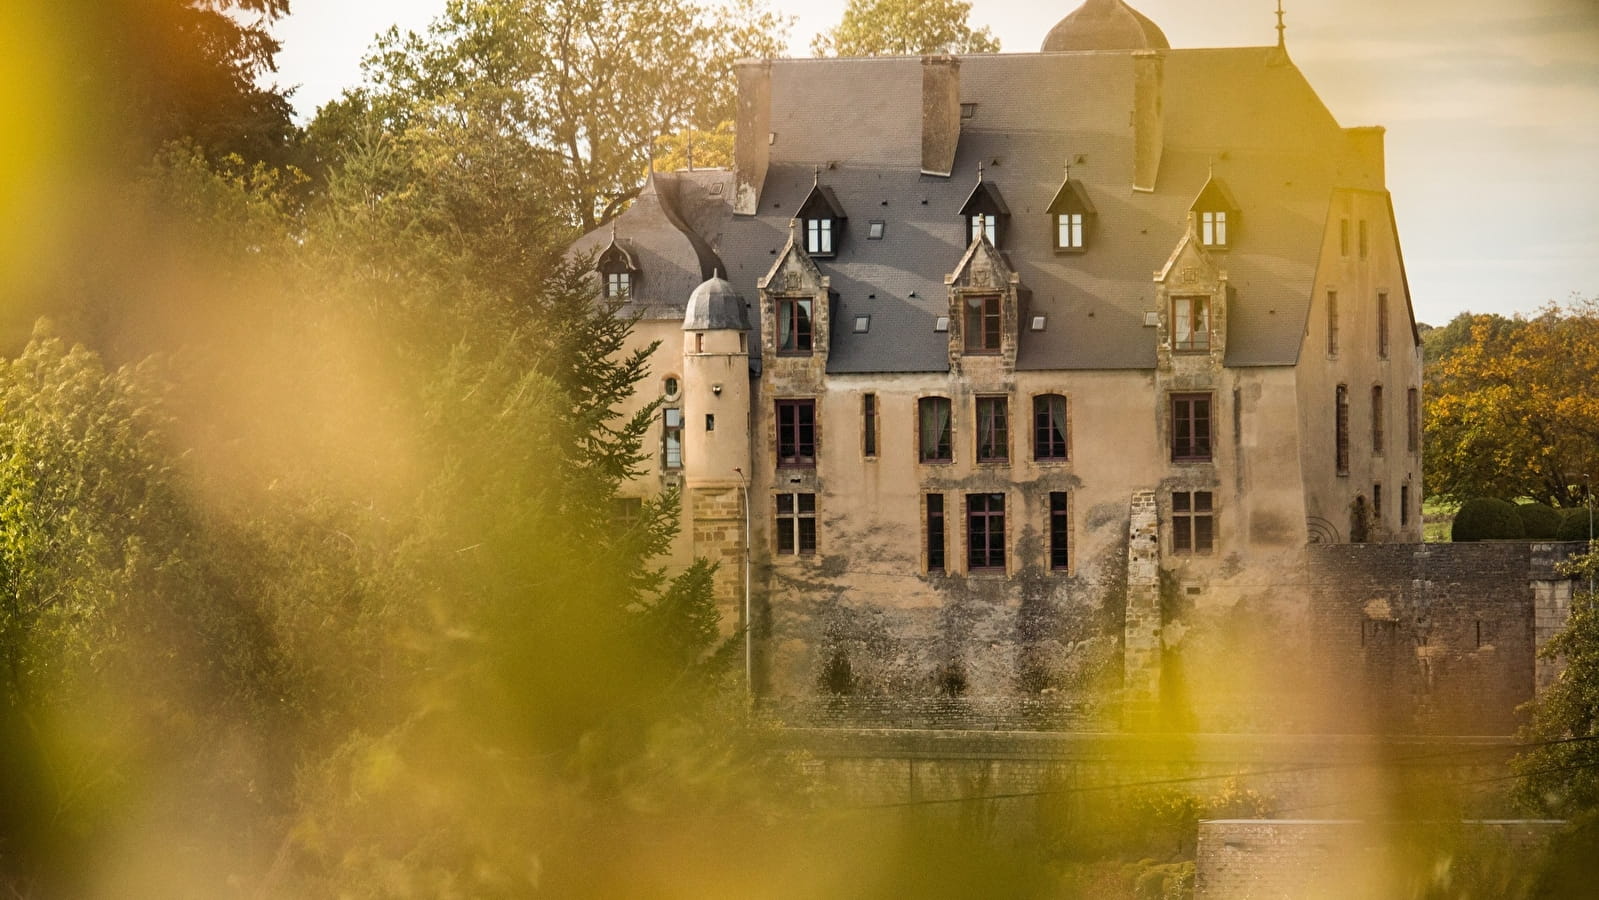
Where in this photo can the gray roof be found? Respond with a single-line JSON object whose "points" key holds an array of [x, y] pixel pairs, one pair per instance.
{"points": [[714, 306], [1246, 114]]}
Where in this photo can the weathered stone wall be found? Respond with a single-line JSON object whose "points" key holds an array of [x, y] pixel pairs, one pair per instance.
{"points": [[1350, 860]]}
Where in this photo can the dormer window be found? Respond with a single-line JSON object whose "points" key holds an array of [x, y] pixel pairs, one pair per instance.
{"points": [[1215, 215], [984, 212], [1070, 213], [823, 219], [617, 268]]}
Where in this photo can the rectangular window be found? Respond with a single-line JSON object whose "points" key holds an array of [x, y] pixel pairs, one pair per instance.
{"points": [[793, 325], [1049, 427], [796, 432], [796, 523], [869, 424], [1376, 418], [672, 438], [933, 429], [1193, 522], [1404, 505], [1362, 238], [1060, 557], [1190, 323], [1382, 325], [993, 439], [1376, 502], [985, 225], [1343, 236], [710, 422], [985, 532], [617, 284], [1213, 228], [1190, 427], [1332, 323], [819, 236], [1069, 231], [1412, 420], [935, 532], [982, 324], [628, 511], [1341, 427]]}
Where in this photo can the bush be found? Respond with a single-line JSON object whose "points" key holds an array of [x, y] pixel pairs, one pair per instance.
{"points": [[1486, 519], [1540, 521], [1573, 525]]}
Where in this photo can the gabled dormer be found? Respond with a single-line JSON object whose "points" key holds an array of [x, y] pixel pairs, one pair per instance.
{"points": [[618, 268], [822, 220], [794, 310], [1192, 292], [1071, 216], [984, 214], [1215, 215], [984, 308]]}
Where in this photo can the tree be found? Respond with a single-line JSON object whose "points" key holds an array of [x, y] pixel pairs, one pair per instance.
{"points": [[904, 28], [568, 94], [1513, 406]]}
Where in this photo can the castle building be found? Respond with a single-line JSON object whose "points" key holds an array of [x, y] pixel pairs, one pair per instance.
{"points": [[996, 358]]}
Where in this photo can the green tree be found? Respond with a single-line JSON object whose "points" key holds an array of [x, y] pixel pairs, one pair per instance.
{"points": [[904, 28], [1513, 406], [567, 95]]}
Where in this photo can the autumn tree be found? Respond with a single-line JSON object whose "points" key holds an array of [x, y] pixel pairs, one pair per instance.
{"points": [[566, 95], [904, 28], [1513, 406]]}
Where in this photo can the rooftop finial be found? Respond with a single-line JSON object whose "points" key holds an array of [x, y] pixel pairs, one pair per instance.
{"points": [[979, 171], [817, 177], [1068, 168], [1282, 43]]}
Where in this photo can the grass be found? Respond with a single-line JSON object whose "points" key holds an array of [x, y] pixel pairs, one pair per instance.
{"points": [[1436, 516]]}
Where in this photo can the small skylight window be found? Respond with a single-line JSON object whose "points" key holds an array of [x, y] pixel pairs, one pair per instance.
{"points": [[941, 323], [1038, 323], [862, 323], [875, 229], [968, 110], [1151, 319]]}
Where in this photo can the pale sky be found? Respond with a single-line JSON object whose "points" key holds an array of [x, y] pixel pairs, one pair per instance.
{"points": [[1491, 106]]}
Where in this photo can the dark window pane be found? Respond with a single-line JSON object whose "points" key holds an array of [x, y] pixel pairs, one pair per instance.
{"points": [[807, 533]]}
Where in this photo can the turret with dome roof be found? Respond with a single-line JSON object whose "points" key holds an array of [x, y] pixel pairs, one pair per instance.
{"points": [[1105, 25]]}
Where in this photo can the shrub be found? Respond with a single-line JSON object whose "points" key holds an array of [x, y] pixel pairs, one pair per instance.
{"points": [[1540, 521], [1573, 524], [1486, 519]]}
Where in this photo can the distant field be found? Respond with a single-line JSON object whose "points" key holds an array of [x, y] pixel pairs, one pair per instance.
{"points": [[1436, 515]]}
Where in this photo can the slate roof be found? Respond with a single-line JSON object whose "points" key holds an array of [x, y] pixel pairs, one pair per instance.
{"points": [[1105, 25], [1246, 114]]}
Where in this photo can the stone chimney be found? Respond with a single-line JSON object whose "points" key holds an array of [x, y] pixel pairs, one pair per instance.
{"points": [[1367, 146], [1149, 120], [752, 145], [941, 113]]}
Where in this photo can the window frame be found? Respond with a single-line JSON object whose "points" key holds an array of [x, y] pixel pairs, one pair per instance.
{"points": [[794, 524], [1045, 432], [671, 438], [1382, 324], [869, 416], [799, 430], [1197, 342], [985, 321], [936, 534], [1060, 555], [1413, 420], [1190, 522], [1378, 432], [802, 341], [925, 405], [985, 223], [1332, 323], [1074, 227], [991, 413], [618, 284], [820, 237], [986, 545], [1341, 429], [1213, 229], [1199, 448]]}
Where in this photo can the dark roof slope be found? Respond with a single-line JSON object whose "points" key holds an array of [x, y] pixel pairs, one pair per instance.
{"points": [[1246, 114]]}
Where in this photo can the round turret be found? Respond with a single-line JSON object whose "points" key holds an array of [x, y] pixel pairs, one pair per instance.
{"points": [[716, 306], [1105, 25]]}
